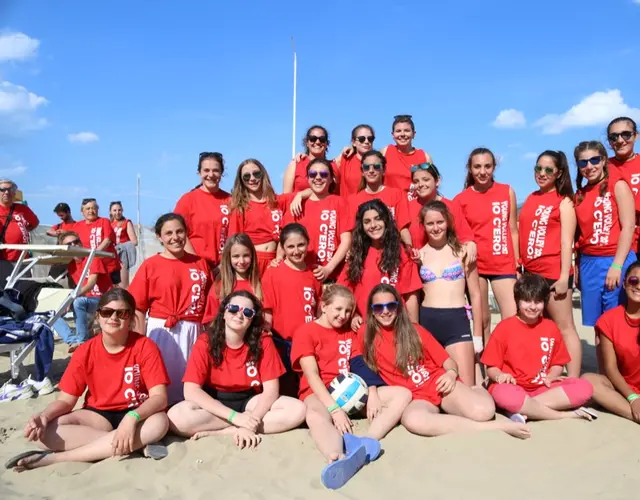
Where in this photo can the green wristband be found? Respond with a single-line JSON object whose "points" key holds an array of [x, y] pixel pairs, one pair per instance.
{"points": [[632, 397], [134, 414], [333, 408], [232, 416], [616, 266]]}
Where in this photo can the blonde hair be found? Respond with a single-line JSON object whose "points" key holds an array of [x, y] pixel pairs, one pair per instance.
{"points": [[227, 278], [240, 193], [332, 292]]}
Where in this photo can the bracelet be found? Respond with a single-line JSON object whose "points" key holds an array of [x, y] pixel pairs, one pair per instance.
{"points": [[134, 414], [333, 408], [232, 416], [616, 266], [632, 397], [453, 370]]}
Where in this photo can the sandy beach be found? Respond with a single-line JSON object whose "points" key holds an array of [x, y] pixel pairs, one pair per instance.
{"points": [[568, 459]]}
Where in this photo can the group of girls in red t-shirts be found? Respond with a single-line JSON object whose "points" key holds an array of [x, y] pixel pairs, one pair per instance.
{"points": [[362, 266]]}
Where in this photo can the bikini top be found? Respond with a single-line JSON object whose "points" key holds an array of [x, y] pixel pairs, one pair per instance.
{"points": [[452, 273]]}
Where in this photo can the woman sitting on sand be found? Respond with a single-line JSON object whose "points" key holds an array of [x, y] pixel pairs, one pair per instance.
{"points": [[525, 357], [124, 405], [231, 383], [618, 388], [405, 354]]}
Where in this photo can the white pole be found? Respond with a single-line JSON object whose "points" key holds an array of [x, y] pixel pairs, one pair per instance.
{"points": [[141, 249], [295, 75]]}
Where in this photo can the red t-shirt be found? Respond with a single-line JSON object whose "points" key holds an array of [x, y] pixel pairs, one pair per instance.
{"points": [[65, 226], [22, 221], [524, 351], [207, 218], [350, 175], [421, 377], [172, 289], [213, 298], [236, 373], [406, 279], [418, 234], [488, 217], [115, 382], [394, 199], [598, 222], [93, 233], [630, 172], [623, 334], [120, 230], [103, 283], [300, 179], [398, 170], [292, 296], [541, 234], [259, 221], [325, 220], [331, 349]]}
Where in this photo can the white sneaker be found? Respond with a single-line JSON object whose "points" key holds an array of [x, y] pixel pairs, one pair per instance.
{"points": [[11, 392], [43, 387]]}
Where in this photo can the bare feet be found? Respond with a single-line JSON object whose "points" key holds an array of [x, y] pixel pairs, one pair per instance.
{"points": [[203, 434]]}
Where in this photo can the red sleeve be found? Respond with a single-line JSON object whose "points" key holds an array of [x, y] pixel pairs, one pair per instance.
{"points": [[236, 222], [463, 230], [603, 327], [97, 267], [347, 222], [268, 290], [152, 366], [183, 207], [139, 288], [74, 378], [342, 277], [493, 354], [212, 305], [431, 346], [560, 356], [30, 217], [270, 365], [403, 219], [107, 230], [408, 276], [357, 346], [199, 364], [302, 345], [284, 200]]}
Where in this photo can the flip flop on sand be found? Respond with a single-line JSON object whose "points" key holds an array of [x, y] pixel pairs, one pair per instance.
{"points": [[591, 413], [517, 417], [13, 462], [336, 474], [155, 451], [372, 446]]}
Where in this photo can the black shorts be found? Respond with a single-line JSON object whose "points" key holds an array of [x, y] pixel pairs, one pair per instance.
{"points": [[550, 282], [284, 349], [496, 277], [235, 400], [114, 417], [448, 325], [115, 277]]}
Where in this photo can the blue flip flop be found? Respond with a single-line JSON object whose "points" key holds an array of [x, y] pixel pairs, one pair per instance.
{"points": [[373, 446], [336, 474]]}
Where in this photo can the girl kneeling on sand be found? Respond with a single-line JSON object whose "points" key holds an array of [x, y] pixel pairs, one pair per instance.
{"points": [[618, 388], [321, 350], [124, 405], [405, 354], [231, 383], [525, 357]]}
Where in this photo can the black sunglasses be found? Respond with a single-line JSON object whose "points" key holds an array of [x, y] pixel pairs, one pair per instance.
{"points": [[6, 190], [547, 170], [235, 308], [88, 200], [322, 139], [364, 138], [376, 166], [593, 160], [74, 243], [626, 135], [257, 175], [312, 174], [633, 281], [389, 306], [107, 312]]}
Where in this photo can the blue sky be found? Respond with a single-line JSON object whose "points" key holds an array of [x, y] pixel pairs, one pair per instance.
{"points": [[150, 85]]}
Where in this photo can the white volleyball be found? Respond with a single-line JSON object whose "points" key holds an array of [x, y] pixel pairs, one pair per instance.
{"points": [[350, 392]]}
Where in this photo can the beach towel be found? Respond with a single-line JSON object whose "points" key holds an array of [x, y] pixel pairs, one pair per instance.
{"points": [[22, 332]]}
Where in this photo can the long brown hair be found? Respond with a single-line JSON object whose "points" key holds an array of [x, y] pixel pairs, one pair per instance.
{"points": [[563, 181], [478, 151], [595, 146], [227, 277], [441, 208], [409, 349], [240, 193]]}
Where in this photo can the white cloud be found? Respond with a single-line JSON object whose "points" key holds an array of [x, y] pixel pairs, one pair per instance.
{"points": [[13, 171], [54, 190], [18, 110], [530, 156], [594, 110], [510, 118], [83, 137], [17, 47]]}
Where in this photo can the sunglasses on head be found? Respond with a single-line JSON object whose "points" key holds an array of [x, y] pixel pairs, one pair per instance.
{"points": [[365, 138], [322, 139], [312, 174], [257, 175], [88, 200], [593, 160], [107, 312], [235, 308], [376, 166], [547, 170], [626, 135], [633, 281], [389, 306], [425, 166]]}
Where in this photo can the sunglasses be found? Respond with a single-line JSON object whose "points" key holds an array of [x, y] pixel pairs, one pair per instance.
{"points": [[365, 138], [633, 281], [376, 166], [547, 170], [322, 139], [389, 306], [107, 312], [626, 135], [312, 174], [257, 175], [235, 308], [594, 161], [74, 243], [7, 190], [88, 200], [425, 166]]}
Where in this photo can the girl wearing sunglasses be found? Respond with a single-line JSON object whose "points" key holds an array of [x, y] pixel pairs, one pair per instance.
{"points": [[617, 389], [257, 211], [376, 256], [126, 241], [171, 291], [444, 280], [547, 229], [490, 209], [404, 354], [125, 401], [326, 216], [231, 383], [606, 222], [206, 210]]}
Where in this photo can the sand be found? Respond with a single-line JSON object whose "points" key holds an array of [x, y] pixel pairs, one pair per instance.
{"points": [[568, 460]]}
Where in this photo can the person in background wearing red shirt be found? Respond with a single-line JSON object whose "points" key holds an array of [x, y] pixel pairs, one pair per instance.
{"points": [[16, 222], [404, 354], [315, 144], [327, 219], [445, 277], [231, 383], [525, 357], [547, 231], [172, 287], [377, 256], [606, 223], [321, 351], [126, 241], [490, 209], [426, 181], [617, 331], [63, 211], [206, 210], [257, 211], [124, 405], [238, 270], [96, 232]]}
